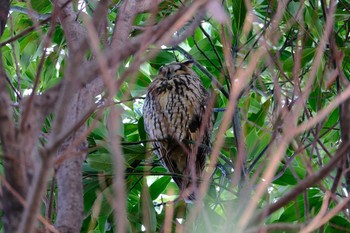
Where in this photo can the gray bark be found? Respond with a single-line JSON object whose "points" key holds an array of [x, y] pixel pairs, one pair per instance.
{"points": [[70, 208]]}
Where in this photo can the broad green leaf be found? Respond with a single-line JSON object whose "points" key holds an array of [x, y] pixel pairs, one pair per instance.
{"points": [[149, 214], [141, 129], [102, 224], [259, 117], [338, 224], [41, 6], [315, 99], [287, 177], [162, 58], [295, 210], [254, 105], [239, 11], [256, 143], [104, 203], [158, 186], [307, 57], [100, 162]]}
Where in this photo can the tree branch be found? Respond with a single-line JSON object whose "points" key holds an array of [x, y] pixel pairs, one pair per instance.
{"points": [[14, 166], [304, 184]]}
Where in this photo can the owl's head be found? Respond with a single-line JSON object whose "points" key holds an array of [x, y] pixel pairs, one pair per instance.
{"points": [[176, 68]]}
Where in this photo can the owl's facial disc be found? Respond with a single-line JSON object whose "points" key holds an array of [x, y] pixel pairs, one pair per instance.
{"points": [[169, 71]]}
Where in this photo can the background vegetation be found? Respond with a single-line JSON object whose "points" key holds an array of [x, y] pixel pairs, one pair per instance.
{"points": [[74, 154]]}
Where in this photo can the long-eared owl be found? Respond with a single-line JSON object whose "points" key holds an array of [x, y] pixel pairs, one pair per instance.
{"points": [[174, 111]]}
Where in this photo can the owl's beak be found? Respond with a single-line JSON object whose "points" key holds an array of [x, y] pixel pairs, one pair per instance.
{"points": [[165, 72], [168, 75]]}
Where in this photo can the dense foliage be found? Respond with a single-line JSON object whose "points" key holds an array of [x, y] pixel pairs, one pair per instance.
{"points": [[292, 70]]}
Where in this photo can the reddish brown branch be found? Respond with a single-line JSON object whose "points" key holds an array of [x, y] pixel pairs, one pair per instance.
{"points": [[304, 184]]}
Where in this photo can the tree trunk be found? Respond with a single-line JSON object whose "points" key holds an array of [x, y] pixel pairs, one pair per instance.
{"points": [[70, 206]]}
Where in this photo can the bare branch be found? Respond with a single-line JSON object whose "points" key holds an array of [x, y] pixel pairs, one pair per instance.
{"points": [[126, 16], [303, 184], [13, 159]]}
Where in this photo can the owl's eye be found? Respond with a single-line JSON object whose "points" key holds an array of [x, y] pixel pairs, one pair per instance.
{"points": [[160, 70], [164, 71], [169, 71]]}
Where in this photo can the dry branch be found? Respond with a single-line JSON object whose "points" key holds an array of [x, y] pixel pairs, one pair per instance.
{"points": [[306, 183], [13, 160]]}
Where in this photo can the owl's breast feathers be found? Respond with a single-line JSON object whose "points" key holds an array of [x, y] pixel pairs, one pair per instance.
{"points": [[177, 107]]}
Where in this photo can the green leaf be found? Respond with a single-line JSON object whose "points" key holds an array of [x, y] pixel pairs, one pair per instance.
{"points": [[140, 87], [306, 58], [338, 224], [239, 11], [102, 224], [100, 162], [295, 210], [332, 119], [200, 55], [41, 6], [163, 57], [254, 105], [259, 117], [159, 186], [133, 152], [287, 178], [130, 128], [141, 129], [314, 99], [256, 143], [105, 206], [149, 213]]}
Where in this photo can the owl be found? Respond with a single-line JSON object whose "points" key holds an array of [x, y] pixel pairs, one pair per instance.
{"points": [[173, 111]]}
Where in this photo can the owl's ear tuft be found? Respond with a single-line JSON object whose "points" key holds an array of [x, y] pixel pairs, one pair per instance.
{"points": [[163, 71], [188, 63]]}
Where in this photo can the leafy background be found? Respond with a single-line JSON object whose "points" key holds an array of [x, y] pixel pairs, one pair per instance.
{"points": [[148, 185]]}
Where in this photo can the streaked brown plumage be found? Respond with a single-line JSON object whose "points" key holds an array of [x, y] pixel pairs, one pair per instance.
{"points": [[173, 112]]}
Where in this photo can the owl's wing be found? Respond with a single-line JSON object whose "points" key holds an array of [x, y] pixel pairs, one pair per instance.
{"points": [[195, 136], [173, 157]]}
